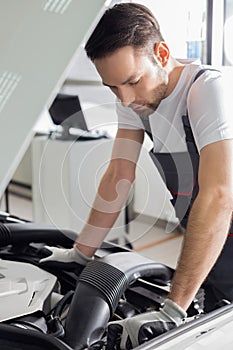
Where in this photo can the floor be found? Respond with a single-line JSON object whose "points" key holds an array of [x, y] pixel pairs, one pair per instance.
{"points": [[153, 241]]}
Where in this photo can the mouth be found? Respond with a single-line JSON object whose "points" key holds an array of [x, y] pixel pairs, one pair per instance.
{"points": [[138, 107]]}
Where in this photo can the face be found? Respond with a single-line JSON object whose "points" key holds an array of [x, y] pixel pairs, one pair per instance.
{"points": [[138, 82]]}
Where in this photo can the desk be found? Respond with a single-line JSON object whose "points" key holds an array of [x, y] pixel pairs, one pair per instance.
{"points": [[66, 176]]}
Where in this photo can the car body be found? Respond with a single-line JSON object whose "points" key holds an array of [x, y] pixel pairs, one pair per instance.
{"points": [[67, 306]]}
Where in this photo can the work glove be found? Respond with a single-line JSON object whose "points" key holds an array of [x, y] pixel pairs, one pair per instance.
{"points": [[130, 332], [66, 255]]}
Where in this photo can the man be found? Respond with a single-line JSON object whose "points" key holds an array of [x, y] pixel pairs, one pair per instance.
{"points": [[182, 108]]}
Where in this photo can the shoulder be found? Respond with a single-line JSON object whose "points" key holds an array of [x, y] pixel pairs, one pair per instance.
{"points": [[207, 86], [209, 108], [205, 77]]}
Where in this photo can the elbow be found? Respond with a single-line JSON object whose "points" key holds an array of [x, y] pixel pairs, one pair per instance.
{"points": [[222, 196], [119, 180], [123, 172], [127, 179]]}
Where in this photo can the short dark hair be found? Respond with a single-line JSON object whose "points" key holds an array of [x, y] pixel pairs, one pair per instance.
{"points": [[122, 25]]}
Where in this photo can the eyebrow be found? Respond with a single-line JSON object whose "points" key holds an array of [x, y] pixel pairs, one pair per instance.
{"points": [[132, 77]]}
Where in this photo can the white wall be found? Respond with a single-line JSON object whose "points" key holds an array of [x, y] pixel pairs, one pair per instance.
{"points": [[151, 198], [180, 21]]}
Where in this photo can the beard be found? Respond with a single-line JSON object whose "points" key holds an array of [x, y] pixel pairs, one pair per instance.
{"points": [[151, 106], [158, 94]]}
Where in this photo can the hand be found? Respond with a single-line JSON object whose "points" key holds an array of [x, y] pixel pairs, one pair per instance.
{"points": [[66, 255], [130, 332]]}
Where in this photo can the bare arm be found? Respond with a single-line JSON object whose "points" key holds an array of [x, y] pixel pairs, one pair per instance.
{"points": [[208, 223], [113, 190]]}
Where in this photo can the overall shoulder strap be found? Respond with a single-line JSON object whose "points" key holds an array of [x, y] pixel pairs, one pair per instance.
{"points": [[191, 145], [201, 71]]}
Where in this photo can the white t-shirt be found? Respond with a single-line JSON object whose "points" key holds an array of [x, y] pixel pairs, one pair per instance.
{"points": [[210, 112]]}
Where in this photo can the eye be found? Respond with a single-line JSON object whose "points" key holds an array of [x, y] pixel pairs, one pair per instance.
{"points": [[113, 88], [135, 82]]}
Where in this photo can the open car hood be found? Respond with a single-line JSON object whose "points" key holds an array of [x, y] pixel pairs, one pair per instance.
{"points": [[38, 42]]}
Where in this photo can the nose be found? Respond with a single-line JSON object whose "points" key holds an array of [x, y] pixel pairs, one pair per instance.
{"points": [[126, 95]]}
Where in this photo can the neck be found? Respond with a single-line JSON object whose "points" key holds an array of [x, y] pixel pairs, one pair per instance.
{"points": [[174, 70]]}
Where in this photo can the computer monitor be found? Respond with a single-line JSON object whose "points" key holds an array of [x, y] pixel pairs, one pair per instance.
{"points": [[67, 112]]}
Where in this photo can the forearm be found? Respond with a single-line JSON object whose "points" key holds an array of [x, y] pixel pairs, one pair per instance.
{"points": [[111, 197], [204, 239]]}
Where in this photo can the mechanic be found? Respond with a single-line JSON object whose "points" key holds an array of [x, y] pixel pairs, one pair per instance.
{"points": [[182, 107]]}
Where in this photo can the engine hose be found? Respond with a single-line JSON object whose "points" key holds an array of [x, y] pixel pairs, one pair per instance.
{"points": [[56, 328], [100, 286], [55, 323], [24, 233], [62, 303]]}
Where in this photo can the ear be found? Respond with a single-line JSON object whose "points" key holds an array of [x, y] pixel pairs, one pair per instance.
{"points": [[162, 52]]}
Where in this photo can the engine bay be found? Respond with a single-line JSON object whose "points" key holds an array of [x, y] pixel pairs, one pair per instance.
{"points": [[67, 306]]}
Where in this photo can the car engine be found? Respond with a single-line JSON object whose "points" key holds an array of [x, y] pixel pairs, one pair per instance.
{"points": [[66, 306]]}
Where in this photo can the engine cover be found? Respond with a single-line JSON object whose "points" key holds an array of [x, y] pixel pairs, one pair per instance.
{"points": [[24, 288]]}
